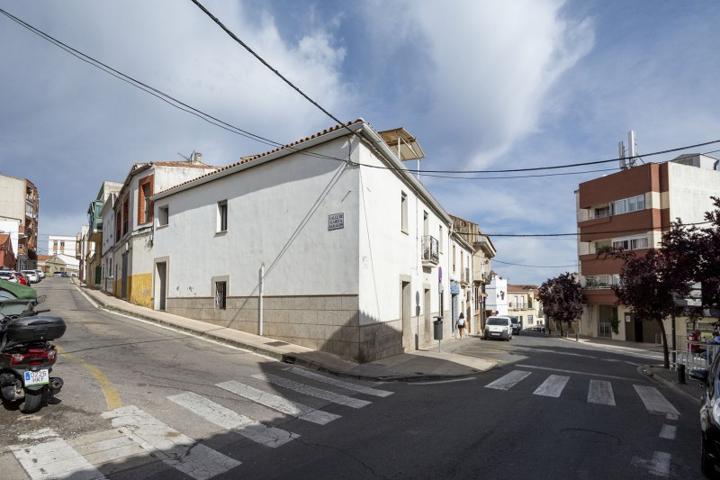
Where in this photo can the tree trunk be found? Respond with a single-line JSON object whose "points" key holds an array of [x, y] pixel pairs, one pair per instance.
{"points": [[666, 353], [562, 332]]}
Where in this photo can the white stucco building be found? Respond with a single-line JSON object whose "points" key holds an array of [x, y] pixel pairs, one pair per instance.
{"points": [[497, 296], [355, 250], [62, 245], [131, 248]]}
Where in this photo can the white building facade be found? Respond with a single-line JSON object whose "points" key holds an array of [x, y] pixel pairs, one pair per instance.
{"points": [[497, 296], [62, 245], [348, 250]]}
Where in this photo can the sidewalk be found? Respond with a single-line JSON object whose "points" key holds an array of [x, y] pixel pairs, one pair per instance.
{"points": [[692, 389], [419, 365], [621, 345]]}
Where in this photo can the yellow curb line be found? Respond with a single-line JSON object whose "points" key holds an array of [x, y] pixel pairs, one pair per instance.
{"points": [[112, 397]]}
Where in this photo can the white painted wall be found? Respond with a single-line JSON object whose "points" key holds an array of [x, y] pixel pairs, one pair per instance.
{"points": [[12, 200], [69, 245], [690, 190], [497, 296], [386, 252], [266, 206]]}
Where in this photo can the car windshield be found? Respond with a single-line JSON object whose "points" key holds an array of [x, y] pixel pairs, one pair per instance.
{"points": [[497, 321], [514, 320]]}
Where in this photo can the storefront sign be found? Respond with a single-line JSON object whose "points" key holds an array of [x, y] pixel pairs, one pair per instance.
{"points": [[336, 221]]}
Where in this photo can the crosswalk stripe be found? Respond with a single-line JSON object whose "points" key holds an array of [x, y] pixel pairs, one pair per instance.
{"points": [[506, 382], [552, 386], [54, 459], [339, 383], [654, 401], [226, 418], [601, 393], [172, 447], [276, 402], [312, 391]]}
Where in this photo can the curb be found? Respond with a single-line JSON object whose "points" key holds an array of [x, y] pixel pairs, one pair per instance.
{"points": [[288, 358], [646, 370]]}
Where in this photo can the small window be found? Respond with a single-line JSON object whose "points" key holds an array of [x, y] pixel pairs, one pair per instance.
{"points": [[221, 295], [163, 215], [403, 212], [222, 219]]}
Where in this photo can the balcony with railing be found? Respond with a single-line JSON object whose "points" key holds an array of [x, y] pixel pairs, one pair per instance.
{"points": [[600, 281], [430, 251]]}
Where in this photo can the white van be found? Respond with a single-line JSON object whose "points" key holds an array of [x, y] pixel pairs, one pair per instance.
{"points": [[498, 327]]}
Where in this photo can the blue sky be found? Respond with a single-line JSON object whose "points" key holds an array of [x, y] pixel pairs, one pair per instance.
{"points": [[481, 84]]}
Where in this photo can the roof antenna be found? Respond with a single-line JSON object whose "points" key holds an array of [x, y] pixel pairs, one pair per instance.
{"points": [[187, 159]]}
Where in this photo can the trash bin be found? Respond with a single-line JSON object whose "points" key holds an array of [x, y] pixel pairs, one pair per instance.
{"points": [[438, 328]]}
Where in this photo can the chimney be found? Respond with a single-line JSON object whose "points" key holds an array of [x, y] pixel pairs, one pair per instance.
{"points": [[196, 157]]}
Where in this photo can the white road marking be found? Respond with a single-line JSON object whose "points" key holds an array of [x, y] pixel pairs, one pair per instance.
{"points": [[110, 447], [312, 391], [339, 383], [38, 434], [276, 402], [452, 380], [654, 401], [578, 372], [226, 418], [506, 382], [54, 459], [601, 393], [668, 432], [552, 386], [659, 465], [172, 447]]}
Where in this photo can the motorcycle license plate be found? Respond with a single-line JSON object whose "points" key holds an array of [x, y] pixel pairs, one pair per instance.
{"points": [[41, 377]]}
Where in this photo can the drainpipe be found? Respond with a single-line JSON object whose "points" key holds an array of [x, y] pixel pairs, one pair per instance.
{"points": [[261, 323]]}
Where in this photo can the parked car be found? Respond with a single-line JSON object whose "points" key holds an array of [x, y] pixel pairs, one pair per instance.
{"points": [[58, 274], [31, 275], [709, 417], [40, 273], [498, 327], [8, 275], [22, 279], [516, 325]]}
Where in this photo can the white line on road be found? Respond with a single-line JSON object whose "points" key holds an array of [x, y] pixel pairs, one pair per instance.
{"points": [[506, 382], [55, 459], [659, 465], [339, 383], [312, 391], [552, 386], [668, 432], [226, 418], [654, 401], [276, 402], [172, 447], [601, 393], [589, 374], [452, 380]]}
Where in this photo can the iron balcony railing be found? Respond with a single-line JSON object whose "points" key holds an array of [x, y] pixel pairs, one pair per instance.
{"points": [[430, 250]]}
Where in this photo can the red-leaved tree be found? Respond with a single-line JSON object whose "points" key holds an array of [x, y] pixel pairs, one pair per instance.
{"points": [[562, 300]]}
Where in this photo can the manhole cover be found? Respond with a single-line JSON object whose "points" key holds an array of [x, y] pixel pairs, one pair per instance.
{"points": [[276, 343]]}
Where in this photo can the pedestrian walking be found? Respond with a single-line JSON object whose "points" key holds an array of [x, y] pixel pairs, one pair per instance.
{"points": [[461, 324]]}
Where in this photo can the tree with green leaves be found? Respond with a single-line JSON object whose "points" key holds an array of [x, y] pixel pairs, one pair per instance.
{"points": [[562, 300]]}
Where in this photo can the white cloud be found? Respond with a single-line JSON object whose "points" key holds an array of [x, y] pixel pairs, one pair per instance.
{"points": [[490, 66]]}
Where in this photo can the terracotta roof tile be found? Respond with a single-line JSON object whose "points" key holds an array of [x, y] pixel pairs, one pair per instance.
{"points": [[252, 158]]}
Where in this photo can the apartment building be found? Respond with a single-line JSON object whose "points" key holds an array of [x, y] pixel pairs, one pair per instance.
{"points": [[19, 207], [497, 296], [631, 209], [328, 242], [523, 302], [483, 253], [92, 260], [63, 245], [132, 258]]}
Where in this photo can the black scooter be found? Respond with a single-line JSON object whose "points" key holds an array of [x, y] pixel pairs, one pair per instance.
{"points": [[27, 356]]}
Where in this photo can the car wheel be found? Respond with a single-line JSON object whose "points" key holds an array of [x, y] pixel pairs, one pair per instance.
{"points": [[707, 466]]}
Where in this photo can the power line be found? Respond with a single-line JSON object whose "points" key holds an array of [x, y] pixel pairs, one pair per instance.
{"points": [[508, 177], [533, 266], [572, 234], [264, 62], [213, 120]]}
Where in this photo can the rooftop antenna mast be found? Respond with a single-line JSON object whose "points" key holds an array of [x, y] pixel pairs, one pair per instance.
{"points": [[632, 147]]}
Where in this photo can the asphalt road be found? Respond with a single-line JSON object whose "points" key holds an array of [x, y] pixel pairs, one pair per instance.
{"points": [[143, 402]]}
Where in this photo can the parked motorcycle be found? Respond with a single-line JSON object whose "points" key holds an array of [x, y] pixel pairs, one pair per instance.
{"points": [[27, 356]]}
